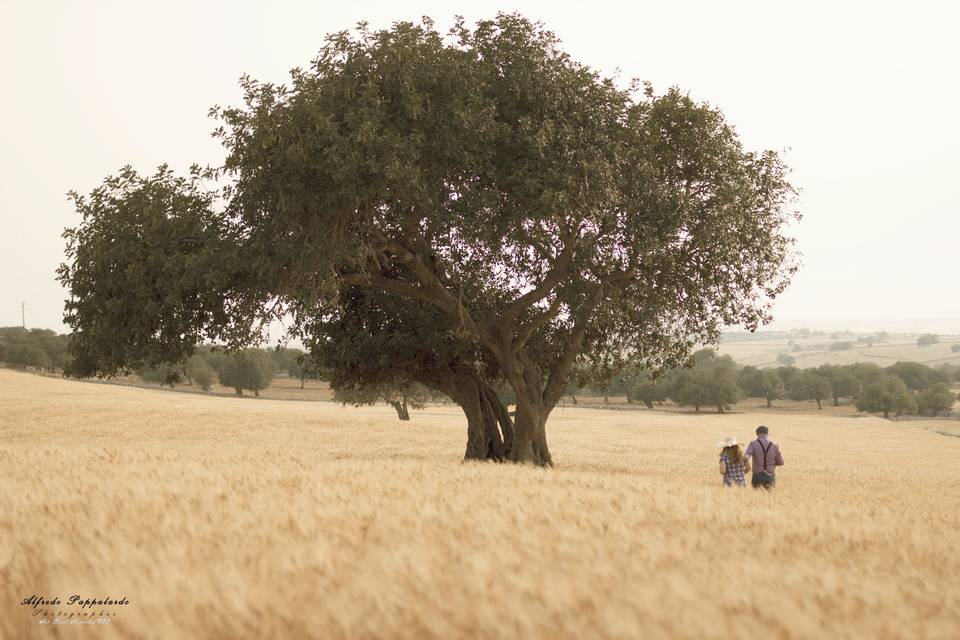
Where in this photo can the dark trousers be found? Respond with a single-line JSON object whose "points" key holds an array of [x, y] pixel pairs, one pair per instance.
{"points": [[763, 480]]}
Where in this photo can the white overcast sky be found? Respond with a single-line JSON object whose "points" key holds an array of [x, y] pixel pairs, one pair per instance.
{"points": [[863, 96]]}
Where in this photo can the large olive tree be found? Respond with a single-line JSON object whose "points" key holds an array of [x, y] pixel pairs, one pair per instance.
{"points": [[545, 214]]}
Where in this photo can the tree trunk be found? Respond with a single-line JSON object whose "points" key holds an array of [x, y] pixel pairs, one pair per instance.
{"points": [[886, 414], [302, 381], [574, 398], [530, 435], [720, 408], [606, 397], [769, 403], [256, 392], [489, 427], [649, 404], [238, 391], [819, 404], [400, 408], [836, 401]]}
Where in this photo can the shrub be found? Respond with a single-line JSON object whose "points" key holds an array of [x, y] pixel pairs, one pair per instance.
{"points": [[927, 339], [786, 360]]}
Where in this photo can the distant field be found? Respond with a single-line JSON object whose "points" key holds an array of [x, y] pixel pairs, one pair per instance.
{"points": [[223, 518], [282, 388], [815, 351]]}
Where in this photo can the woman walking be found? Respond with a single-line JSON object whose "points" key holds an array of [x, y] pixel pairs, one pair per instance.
{"points": [[733, 464]]}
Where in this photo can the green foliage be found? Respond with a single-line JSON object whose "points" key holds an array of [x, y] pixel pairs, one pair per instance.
{"points": [[810, 385], [787, 374], [711, 381], [162, 374], [751, 380], [843, 382], [757, 383], [866, 372], [786, 360], [886, 394], [151, 271], [648, 391], [250, 369], [23, 355], [201, 374], [927, 339], [35, 348], [915, 375], [937, 399]]}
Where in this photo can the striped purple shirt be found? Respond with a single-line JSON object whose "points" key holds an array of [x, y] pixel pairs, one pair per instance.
{"points": [[755, 451]]}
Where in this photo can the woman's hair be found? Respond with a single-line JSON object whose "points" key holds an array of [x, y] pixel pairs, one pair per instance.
{"points": [[734, 454]]}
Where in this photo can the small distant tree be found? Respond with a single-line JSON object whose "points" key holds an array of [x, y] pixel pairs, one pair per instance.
{"points": [[937, 399], [773, 387], [927, 339], [402, 396], [711, 382], [302, 368], [203, 376], [787, 375], [888, 394], [845, 345], [810, 385], [649, 391], [757, 383], [750, 380], [250, 369], [955, 348], [786, 360], [844, 384], [284, 358]]}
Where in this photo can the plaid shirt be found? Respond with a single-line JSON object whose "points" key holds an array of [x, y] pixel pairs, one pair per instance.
{"points": [[735, 472]]}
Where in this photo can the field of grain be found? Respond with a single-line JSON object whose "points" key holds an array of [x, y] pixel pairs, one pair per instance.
{"points": [[218, 517]]}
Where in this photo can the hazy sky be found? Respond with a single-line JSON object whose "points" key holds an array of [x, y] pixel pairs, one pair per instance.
{"points": [[864, 97]]}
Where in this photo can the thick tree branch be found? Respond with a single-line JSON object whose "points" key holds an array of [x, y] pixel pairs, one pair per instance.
{"points": [[558, 271], [432, 289], [388, 285], [536, 324]]}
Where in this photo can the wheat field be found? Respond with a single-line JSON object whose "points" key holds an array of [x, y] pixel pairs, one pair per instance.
{"points": [[227, 518]]}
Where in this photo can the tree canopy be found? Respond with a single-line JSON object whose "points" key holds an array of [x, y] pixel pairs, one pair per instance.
{"points": [[543, 214]]}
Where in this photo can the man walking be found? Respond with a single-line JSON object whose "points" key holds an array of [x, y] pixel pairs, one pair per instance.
{"points": [[765, 455]]}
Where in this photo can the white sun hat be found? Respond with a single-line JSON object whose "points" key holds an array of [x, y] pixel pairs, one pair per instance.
{"points": [[729, 441]]}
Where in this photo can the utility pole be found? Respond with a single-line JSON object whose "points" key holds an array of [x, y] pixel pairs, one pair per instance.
{"points": [[23, 314]]}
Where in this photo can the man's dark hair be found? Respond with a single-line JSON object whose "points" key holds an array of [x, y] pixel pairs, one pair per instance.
{"points": [[762, 429]]}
